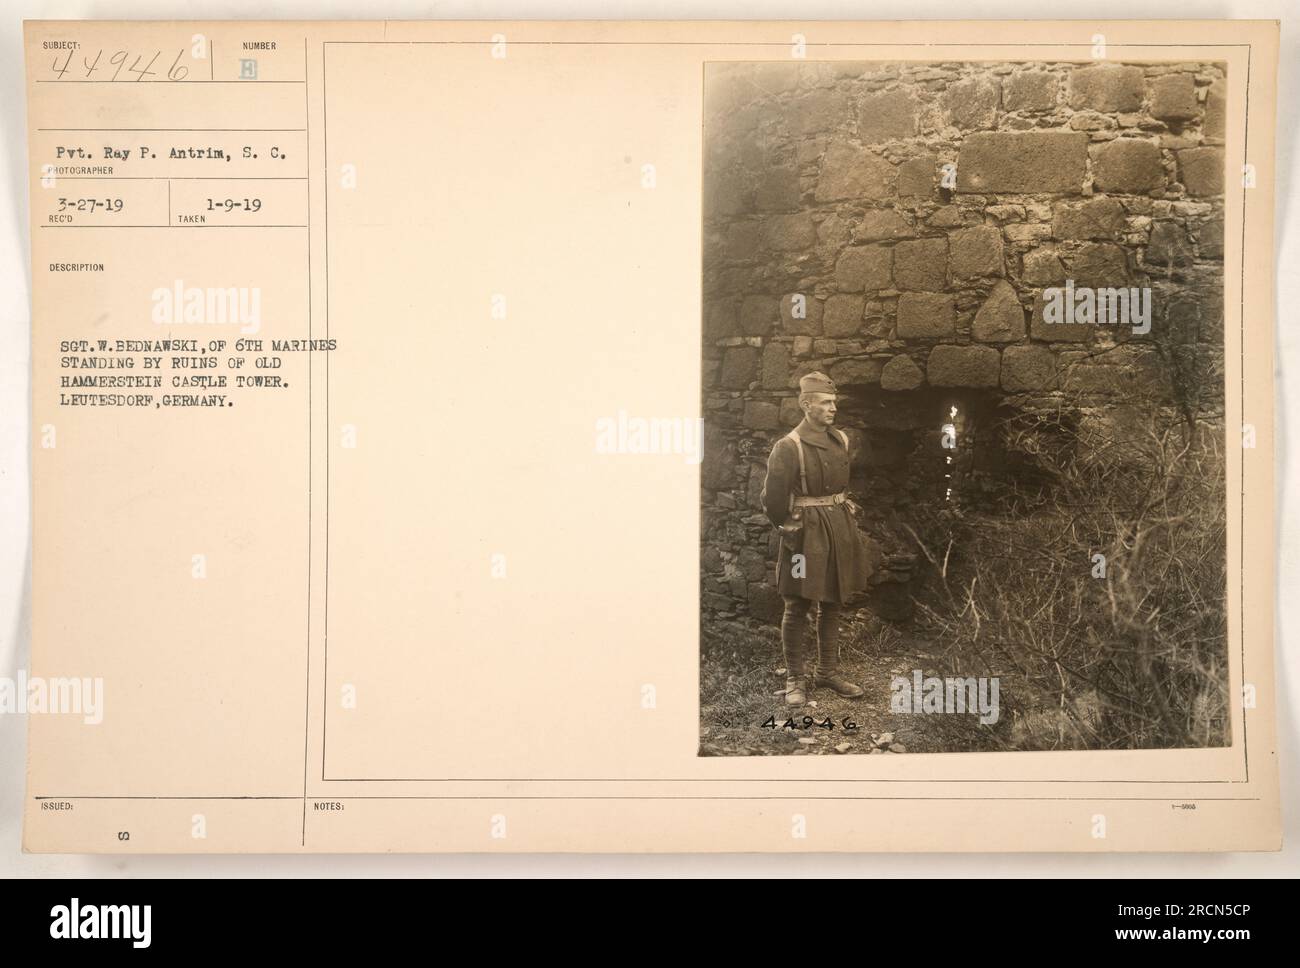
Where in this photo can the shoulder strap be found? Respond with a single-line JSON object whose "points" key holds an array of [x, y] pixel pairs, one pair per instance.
{"points": [[844, 438], [803, 468]]}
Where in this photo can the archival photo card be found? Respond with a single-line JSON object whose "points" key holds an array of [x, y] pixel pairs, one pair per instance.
{"points": [[963, 480], [674, 436]]}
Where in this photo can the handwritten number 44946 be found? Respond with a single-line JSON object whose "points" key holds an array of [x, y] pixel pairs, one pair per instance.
{"points": [[177, 72], [808, 722]]}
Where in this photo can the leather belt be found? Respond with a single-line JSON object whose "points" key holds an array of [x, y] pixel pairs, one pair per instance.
{"points": [[803, 501]]}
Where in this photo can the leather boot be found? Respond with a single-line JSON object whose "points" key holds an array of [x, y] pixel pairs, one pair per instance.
{"points": [[794, 628], [828, 654], [796, 692]]}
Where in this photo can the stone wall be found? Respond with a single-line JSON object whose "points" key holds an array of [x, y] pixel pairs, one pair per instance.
{"points": [[895, 225]]}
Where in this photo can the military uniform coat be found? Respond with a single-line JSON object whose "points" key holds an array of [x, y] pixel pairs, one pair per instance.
{"points": [[836, 561]]}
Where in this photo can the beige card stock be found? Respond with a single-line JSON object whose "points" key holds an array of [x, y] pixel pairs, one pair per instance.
{"points": [[341, 334]]}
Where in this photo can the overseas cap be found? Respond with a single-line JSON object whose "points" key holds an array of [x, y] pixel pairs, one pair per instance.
{"points": [[816, 383]]}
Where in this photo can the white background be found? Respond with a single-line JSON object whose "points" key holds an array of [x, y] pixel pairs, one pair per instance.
{"points": [[15, 531]]}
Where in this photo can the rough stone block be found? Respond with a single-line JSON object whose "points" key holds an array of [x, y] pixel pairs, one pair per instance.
{"points": [[817, 111], [1209, 242], [1028, 232], [856, 372], [1030, 91], [1128, 165], [975, 252], [963, 366], [776, 366], [1173, 97], [1039, 328], [833, 232], [921, 264], [1099, 264], [1216, 112], [1096, 218], [1106, 88], [759, 314], [752, 564], [761, 415], [1022, 161], [973, 103], [918, 177], [1042, 267], [718, 468], [710, 560], [795, 324], [1131, 372], [1086, 121], [1169, 245], [843, 315], [948, 217], [1001, 319], [880, 224], [926, 315], [1010, 212], [863, 267], [739, 367], [1179, 318], [887, 116], [901, 373], [717, 602], [1031, 367], [789, 233], [720, 319], [849, 172], [1201, 170]]}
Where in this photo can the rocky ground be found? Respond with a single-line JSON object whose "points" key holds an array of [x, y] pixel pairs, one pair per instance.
{"points": [[743, 710]]}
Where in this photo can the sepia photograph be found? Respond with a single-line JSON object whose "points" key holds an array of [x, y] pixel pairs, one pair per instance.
{"points": [[963, 468]]}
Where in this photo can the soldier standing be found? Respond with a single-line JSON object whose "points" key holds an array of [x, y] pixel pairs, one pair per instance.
{"points": [[822, 558]]}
